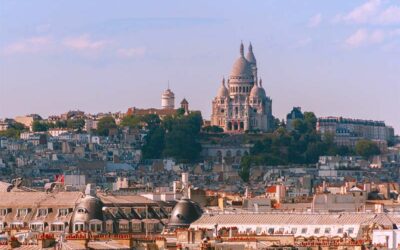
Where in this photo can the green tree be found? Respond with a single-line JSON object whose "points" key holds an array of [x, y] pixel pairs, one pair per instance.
{"points": [[367, 148], [76, 124], [213, 129], [105, 124], [132, 121], [182, 137], [14, 130], [154, 146], [39, 126]]}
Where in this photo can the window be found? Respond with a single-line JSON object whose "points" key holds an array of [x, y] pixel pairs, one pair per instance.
{"points": [[57, 227], [81, 211], [281, 230], [271, 230], [350, 230], [95, 227], [293, 231], [36, 227], [152, 226], [17, 225], [109, 226], [79, 227], [340, 230], [304, 230], [316, 230], [327, 230], [22, 212], [42, 212], [258, 230], [3, 212], [136, 227], [123, 227], [63, 212]]}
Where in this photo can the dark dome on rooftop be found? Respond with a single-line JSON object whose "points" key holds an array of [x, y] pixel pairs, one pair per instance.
{"points": [[184, 213]]}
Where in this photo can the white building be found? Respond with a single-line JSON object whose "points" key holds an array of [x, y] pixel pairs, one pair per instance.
{"points": [[354, 225], [389, 238], [168, 99], [243, 104]]}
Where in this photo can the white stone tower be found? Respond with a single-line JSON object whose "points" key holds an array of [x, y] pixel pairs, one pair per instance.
{"points": [[168, 99]]}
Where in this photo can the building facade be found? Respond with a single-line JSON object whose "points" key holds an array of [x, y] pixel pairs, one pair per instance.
{"points": [[347, 132], [242, 105]]}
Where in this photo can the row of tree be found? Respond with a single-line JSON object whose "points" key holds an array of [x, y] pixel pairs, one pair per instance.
{"points": [[14, 130], [302, 145], [174, 136]]}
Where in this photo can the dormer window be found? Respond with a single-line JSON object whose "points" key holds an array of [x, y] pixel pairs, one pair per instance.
{"points": [[22, 212], [63, 211], [5, 211], [81, 211], [42, 212]]}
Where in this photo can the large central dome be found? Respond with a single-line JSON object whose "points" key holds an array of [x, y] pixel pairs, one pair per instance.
{"points": [[242, 67]]}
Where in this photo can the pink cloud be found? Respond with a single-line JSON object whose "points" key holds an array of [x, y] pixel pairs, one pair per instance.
{"points": [[84, 42], [363, 13], [390, 15], [30, 45], [315, 21]]}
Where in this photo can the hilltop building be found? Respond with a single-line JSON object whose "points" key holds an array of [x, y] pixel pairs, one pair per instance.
{"points": [[242, 105], [168, 99], [167, 106], [348, 131]]}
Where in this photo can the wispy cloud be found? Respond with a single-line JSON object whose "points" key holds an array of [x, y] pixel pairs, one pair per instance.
{"points": [[84, 43], [357, 38], [131, 52], [371, 12], [363, 12], [315, 21], [390, 15], [30, 45], [367, 37]]}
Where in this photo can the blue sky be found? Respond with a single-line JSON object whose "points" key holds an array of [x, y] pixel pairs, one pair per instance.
{"points": [[332, 57]]}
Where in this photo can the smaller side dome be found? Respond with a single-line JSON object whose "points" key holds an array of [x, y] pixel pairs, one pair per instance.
{"points": [[184, 213], [257, 91], [223, 91]]}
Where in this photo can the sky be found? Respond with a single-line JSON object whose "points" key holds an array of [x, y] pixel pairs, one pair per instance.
{"points": [[335, 58]]}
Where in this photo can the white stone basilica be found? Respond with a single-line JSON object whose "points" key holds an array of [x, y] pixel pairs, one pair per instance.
{"points": [[243, 104]]}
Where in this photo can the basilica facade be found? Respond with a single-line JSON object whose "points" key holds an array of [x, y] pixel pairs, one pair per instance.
{"points": [[241, 103]]}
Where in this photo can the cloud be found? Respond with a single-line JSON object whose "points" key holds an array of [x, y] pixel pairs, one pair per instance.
{"points": [[315, 21], [84, 43], [390, 16], [371, 12], [131, 52], [357, 38], [30, 45], [368, 37], [364, 12]]}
